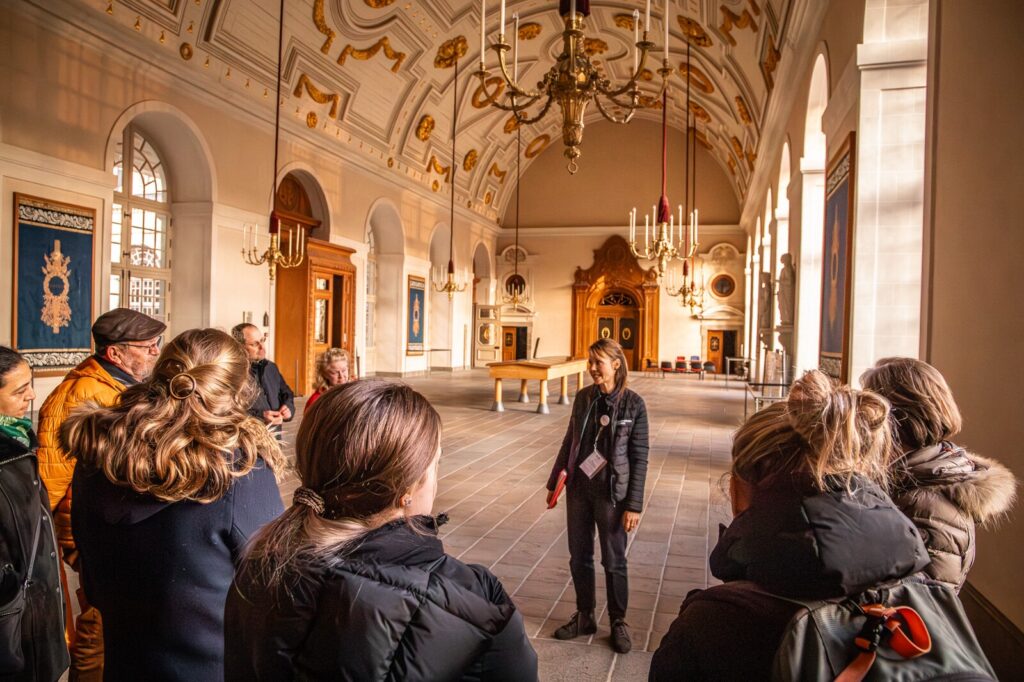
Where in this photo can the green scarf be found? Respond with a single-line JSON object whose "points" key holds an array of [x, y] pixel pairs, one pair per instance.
{"points": [[16, 428]]}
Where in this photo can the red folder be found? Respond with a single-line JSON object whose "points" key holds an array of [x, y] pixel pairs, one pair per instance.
{"points": [[559, 487]]}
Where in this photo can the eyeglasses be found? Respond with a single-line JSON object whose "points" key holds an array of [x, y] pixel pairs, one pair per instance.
{"points": [[153, 347]]}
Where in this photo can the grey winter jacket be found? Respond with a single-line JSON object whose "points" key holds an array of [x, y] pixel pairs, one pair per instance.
{"points": [[946, 491]]}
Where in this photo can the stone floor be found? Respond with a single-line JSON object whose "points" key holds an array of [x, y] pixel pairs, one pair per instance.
{"points": [[494, 468]]}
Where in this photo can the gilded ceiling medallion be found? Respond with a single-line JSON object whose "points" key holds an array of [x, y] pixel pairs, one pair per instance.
{"points": [[311, 119], [537, 145], [317, 95], [482, 98], [435, 185], [624, 21], [770, 62], [737, 146], [697, 77], [487, 198], [751, 158], [367, 53], [732, 164], [321, 25], [694, 32], [511, 124], [730, 19], [469, 162], [593, 46], [530, 30], [450, 51], [425, 127], [741, 107], [647, 75], [185, 50], [391, 162], [650, 102]]}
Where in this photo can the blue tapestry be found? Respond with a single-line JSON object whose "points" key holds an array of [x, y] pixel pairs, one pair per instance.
{"points": [[417, 322], [836, 267], [53, 278]]}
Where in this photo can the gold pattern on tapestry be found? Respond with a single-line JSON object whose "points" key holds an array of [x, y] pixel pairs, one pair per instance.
{"points": [[529, 31], [694, 32], [497, 172], [368, 53], [511, 124], [425, 127], [317, 95], [450, 51], [730, 19], [594, 46], [741, 107], [185, 50], [537, 145], [56, 312], [321, 25], [470, 160], [482, 98], [700, 113], [435, 166], [699, 79], [770, 63]]}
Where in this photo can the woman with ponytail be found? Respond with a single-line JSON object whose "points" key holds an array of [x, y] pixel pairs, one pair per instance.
{"points": [[352, 582], [812, 521], [169, 485]]}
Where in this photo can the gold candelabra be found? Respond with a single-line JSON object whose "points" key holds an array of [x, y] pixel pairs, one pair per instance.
{"points": [[449, 284], [573, 81], [273, 255], [690, 295]]}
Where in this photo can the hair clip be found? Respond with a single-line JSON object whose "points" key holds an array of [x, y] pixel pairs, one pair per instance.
{"points": [[178, 393], [308, 497]]}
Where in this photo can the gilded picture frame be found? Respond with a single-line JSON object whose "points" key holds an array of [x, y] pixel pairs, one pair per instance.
{"points": [[837, 262]]}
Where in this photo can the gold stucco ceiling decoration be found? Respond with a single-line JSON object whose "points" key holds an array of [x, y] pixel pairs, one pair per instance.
{"points": [[594, 46], [511, 124], [537, 145], [487, 199], [700, 113], [497, 172], [425, 127], [647, 75], [624, 21], [450, 51], [737, 146], [770, 62], [482, 98], [320, 21], [311, 119], [698, 78], [730, 20], [751, 158], [744, 112], [435, 166], [317, 95], [185, 50], [530, 30], [470, 160], [694, 32], [367, 53], [378, 4]]}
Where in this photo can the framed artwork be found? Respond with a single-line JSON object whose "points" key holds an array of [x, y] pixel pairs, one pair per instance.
{"points": [[836, 262], [417, 322], [723, 286], [53, 282], [487, 312]]}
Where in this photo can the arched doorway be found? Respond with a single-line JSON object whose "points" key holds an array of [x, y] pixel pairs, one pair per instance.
{"points": [[617, 297], [385, 290]]}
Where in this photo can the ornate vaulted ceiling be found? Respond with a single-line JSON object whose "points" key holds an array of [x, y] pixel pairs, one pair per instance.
{"points": [[376, 76]]}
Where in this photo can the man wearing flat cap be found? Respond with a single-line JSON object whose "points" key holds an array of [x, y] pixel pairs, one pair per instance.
{"points": [[127, 347]]}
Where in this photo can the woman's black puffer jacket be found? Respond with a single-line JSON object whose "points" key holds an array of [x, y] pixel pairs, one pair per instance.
{"points": [[395, 607]]}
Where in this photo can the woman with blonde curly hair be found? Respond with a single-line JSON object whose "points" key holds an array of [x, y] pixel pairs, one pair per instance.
{"points": [[332, 369], [169, 485]]}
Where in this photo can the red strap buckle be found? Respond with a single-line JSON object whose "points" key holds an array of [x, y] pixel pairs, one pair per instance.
{"points": [[908, 636]]}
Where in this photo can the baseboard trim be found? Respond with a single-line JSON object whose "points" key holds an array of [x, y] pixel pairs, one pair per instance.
{"points": [[1000, 638]]}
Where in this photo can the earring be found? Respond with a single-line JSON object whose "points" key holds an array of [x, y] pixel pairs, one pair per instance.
{"points": [[406, 501]]}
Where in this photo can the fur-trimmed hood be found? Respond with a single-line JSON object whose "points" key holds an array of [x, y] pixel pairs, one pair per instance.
{"points": [[982, 488]]}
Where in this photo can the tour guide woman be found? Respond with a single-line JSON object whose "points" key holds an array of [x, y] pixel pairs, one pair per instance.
{"points": [[604, 456]]}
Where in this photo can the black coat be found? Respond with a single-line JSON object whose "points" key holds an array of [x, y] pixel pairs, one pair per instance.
{"points": [[40, 654], [395, 607], [626, 440], [790, 542], [274, 392], [159, 571]]}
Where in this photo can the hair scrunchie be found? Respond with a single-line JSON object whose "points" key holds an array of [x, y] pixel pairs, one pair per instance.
{"points": [[308, 497], [181, 385]]}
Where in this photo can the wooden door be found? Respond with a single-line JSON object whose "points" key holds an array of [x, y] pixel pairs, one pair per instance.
{"points": [[716, 349], [619, 323], [321, 337], [508, 344]]}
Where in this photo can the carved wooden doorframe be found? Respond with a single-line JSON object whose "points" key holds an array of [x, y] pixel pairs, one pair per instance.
{"points": [[615, 269]]}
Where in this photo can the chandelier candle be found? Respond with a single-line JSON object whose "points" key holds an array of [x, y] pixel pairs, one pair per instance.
{"points": [[636, 37], [483, 34]]}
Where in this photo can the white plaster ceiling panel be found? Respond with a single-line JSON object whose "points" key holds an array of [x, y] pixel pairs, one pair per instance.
{"points": [[363, 72]]}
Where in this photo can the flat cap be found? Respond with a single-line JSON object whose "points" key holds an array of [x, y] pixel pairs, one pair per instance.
{"points": [[122, 324]]}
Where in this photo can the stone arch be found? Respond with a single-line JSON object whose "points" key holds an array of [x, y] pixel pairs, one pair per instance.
{"points": [[483, 274], [439, 324], [386, 291], [321, 210]]}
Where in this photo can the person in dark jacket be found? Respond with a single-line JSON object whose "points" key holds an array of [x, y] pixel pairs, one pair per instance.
{"points": [[32, 646], [275, 402], [944, 489], [604, 457], [812, 521], [169, 485], [352, 582]]}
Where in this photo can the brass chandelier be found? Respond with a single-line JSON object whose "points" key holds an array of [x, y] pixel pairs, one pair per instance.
{"points": [[573, 81], [449, 283]]}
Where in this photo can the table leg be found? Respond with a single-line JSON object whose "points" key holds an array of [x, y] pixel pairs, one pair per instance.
{"points": [[542, 406], [524, 395], [579, 382], [496, 406], [563, 398]]}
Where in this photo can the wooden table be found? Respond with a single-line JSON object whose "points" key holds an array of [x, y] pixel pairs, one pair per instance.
{"points": [[542, 369]]}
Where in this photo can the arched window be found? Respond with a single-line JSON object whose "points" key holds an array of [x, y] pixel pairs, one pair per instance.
{"points": [[371, 294], [140, 244]]}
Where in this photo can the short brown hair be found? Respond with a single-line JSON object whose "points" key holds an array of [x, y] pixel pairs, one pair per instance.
{"points": [[613, 351], [923, 410]]}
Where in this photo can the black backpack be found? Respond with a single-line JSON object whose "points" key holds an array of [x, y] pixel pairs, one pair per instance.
{"points": [[909, 630]]}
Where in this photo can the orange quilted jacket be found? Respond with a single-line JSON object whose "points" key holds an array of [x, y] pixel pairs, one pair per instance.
{"points": [[88, 382]]}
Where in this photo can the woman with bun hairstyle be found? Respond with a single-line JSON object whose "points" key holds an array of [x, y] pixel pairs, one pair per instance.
{"points": [[169, 485], [352, 582], [811, 522], [944, 489]]}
